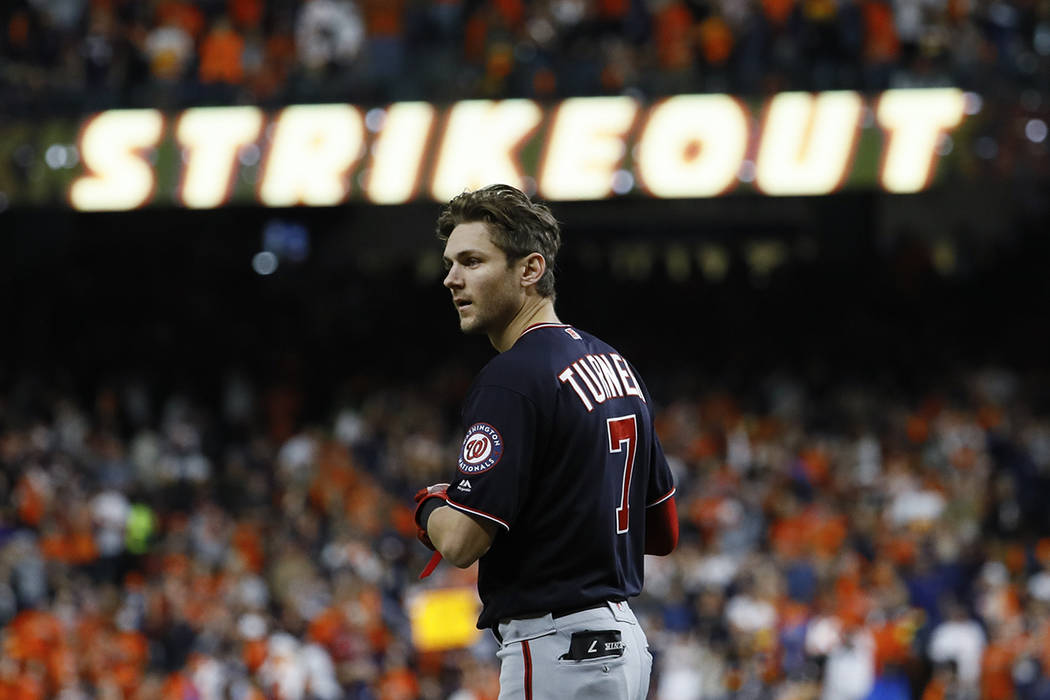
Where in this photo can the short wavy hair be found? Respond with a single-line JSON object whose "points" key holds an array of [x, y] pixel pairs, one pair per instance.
{"points": [[518, 226]]}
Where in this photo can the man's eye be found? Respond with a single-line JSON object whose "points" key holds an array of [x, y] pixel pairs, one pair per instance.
{"points": [[473, 261]]}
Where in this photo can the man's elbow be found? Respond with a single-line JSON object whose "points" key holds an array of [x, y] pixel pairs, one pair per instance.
{"points": [[460, 539], [462, 552], [460, 557]]}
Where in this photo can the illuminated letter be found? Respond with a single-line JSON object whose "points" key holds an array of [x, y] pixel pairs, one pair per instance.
{"points": [[118, 176], [585, 146], [807, 142], [479, 144], [313, 148], [212, 136], [914, 121], [692, 146], [398, 152]]}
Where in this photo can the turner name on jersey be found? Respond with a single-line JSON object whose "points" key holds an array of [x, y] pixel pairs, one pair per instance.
{"points": [[604, 375]]}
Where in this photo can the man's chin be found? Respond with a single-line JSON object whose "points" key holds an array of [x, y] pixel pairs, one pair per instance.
{"points": [[470, 326]]}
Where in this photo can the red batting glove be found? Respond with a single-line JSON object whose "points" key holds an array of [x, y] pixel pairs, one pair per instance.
{"points": [[421, 498]]}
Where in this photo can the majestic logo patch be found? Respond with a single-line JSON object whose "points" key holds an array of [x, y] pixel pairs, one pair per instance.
{"points": [[482, 449]]}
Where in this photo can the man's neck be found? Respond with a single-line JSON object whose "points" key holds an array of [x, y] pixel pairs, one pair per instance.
{"points": [[534, 310]]}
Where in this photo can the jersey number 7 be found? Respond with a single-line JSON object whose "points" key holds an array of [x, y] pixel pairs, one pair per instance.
{"points": [[623, 431]]}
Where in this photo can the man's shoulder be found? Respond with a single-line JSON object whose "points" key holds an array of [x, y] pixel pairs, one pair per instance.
{"points": [[512, 367], [532, 358]]}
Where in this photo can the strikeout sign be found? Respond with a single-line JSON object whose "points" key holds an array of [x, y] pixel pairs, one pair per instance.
{"points": [[679, 147]]}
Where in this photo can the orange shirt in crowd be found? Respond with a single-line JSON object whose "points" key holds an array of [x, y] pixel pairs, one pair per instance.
{"points": [[247, 542], [253, 654], [816, 464], [270, 78], [398, 684], [936, 689], [997, 681], [23, 686], [716, 39], [852, 602], [220, 56], [325, 628], [613, 9], [178, 686], [34, 634], [829, 532], [71, 548], [246, 14], [512, 11], [673, 26], [31, 499], [18, 29], [130, 651], [881, 44], [384, 17], [893, 643], [474, 36], [778, 11]]}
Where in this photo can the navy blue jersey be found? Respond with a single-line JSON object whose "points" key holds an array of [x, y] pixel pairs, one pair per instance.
{"points": [[560, 452]]}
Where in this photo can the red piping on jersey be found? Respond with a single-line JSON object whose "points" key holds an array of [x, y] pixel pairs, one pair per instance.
{"points": [[526, 655], [543, 325], [663, 498], [483, 514]]}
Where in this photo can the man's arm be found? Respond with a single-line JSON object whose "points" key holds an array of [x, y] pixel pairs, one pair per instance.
{"points": [[461, 539]]}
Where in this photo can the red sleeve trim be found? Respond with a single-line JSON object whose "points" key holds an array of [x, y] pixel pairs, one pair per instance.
{"points": [[661, 527], [482, 514], [663, 498]]}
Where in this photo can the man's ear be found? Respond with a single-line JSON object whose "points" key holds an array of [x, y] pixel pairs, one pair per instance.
{"points": [[534, 265]]}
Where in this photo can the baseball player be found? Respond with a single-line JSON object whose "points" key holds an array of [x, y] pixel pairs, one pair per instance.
{"points": [[562, 485]]}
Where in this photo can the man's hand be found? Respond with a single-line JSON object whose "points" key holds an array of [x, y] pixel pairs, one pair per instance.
{"points": [[425, 505]]}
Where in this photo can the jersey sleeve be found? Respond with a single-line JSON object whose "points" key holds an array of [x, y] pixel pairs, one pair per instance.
{"points": [[661, 480], [495, 459]]}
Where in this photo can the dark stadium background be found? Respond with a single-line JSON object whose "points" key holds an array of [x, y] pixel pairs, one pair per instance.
{"points": [[882, 289]]}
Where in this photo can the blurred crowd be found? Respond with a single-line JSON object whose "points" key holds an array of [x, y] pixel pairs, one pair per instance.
{"points": [[843, 544], [78, 55]]}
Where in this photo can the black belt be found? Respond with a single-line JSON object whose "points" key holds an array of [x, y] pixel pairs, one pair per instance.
{"points": [[556, 614], [592, 606]]}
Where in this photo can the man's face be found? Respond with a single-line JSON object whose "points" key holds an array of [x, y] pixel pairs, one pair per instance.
{"points": [[485, 291]]}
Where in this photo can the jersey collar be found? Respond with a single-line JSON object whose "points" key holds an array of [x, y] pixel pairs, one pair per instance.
{"points": [[537, 326]]}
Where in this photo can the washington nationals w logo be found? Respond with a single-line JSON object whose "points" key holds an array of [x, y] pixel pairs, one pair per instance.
{"points": [[482, 448]]}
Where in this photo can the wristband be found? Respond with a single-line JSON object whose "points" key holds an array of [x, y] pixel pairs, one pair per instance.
{"points": [[427, 508]]}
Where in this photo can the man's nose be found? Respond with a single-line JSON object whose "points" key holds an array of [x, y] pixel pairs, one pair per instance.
{"points": [[451, 278]]}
